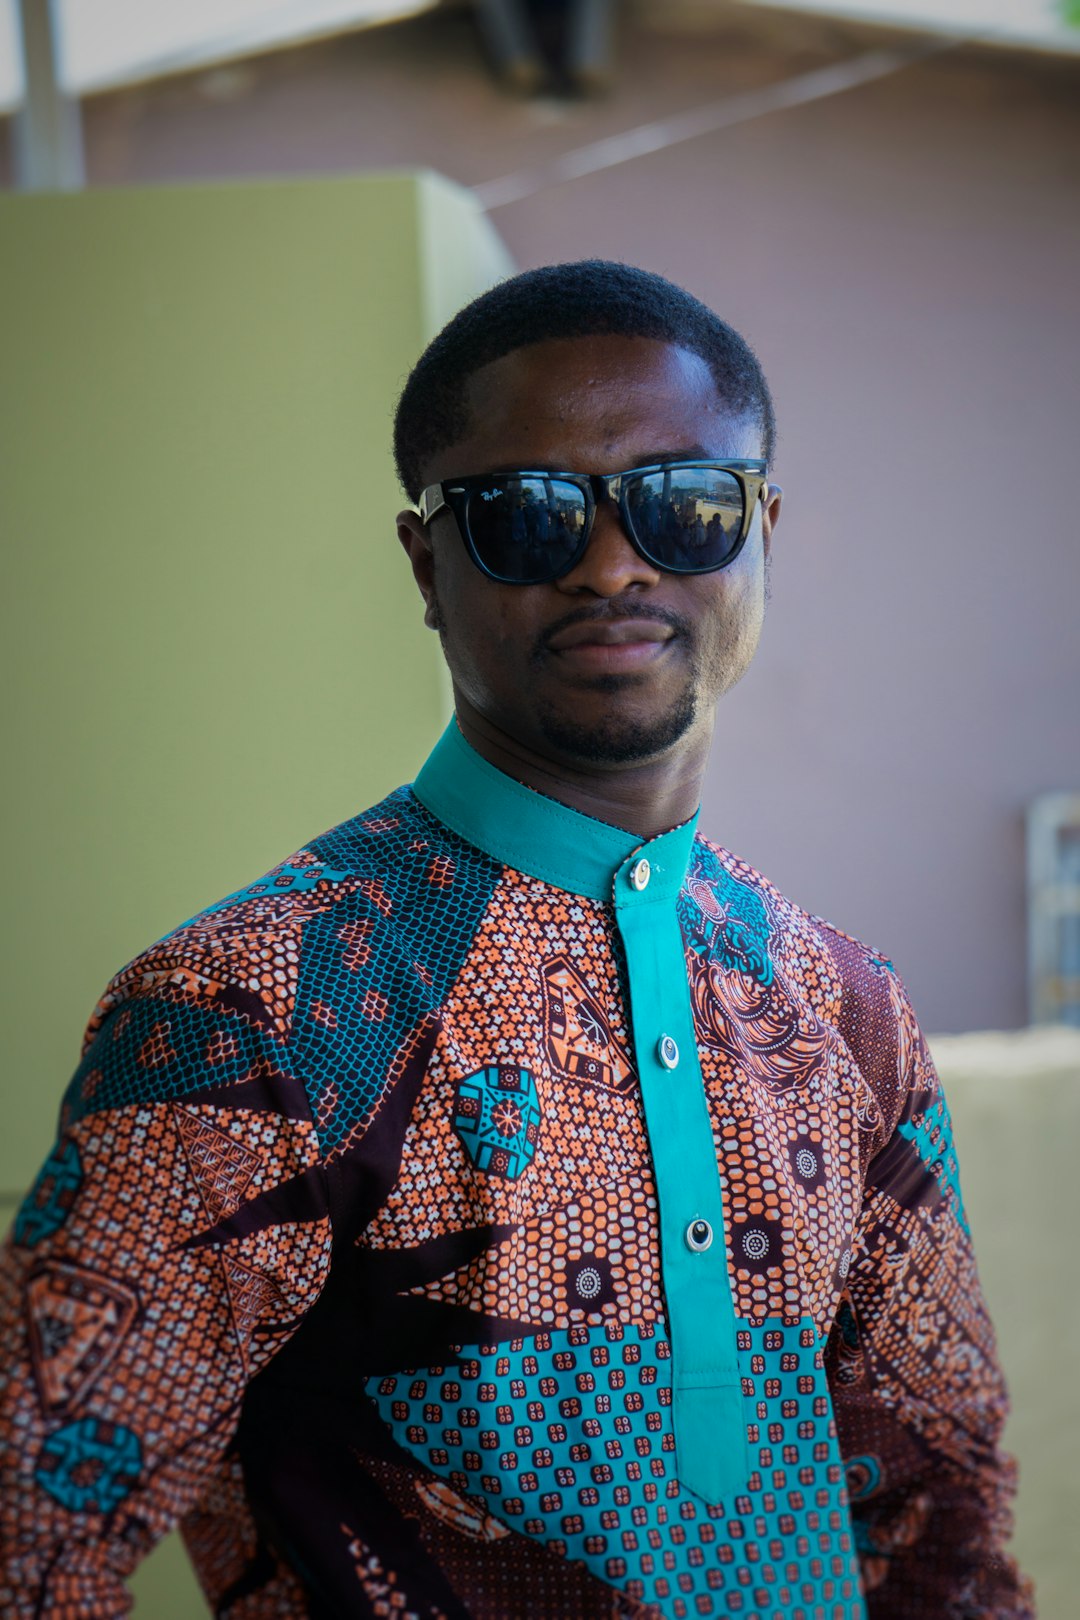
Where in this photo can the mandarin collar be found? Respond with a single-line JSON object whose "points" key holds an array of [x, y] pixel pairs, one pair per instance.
{"points": [[542, 837]]}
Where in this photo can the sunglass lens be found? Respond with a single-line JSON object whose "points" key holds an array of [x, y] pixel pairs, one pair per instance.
{"points": [[687, 519], [525, 530]]}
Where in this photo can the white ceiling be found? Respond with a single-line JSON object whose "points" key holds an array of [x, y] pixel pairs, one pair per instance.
{"points": [[1021, 22], [111, 42]]}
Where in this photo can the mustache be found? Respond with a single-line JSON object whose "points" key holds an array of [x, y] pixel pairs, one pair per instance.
{"points": [[618, 608]]}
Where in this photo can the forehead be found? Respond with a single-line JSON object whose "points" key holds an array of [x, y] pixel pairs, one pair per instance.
{"points": [[593, 404]]}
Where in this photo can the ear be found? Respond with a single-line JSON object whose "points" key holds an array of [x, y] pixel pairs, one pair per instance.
{"points": [[417, 542], [770, 514]]}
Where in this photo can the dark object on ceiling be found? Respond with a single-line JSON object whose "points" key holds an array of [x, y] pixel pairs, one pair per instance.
{"points": [[544, 47]]}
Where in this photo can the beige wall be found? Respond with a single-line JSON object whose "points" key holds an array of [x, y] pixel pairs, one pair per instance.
{"points": [[1015, 1102], [211, 650]]}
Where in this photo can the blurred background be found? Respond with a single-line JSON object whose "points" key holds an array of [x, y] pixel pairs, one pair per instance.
{"points": [[227, 230]]}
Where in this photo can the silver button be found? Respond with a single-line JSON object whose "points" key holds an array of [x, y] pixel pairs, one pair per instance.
{"points": [[699, 1236], [640, 873], [668, 1052]]}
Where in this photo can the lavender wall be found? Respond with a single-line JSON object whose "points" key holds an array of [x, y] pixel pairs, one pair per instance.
{"points": [[905, 258]]}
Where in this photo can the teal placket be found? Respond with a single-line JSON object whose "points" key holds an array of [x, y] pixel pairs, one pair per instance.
{"points": [[548, 840], [710, 1430]]}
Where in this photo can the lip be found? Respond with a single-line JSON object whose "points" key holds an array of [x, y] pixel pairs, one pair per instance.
{"points": [[611, 646], [611, 633]]}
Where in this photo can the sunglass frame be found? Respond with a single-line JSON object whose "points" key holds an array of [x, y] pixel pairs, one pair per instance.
{"points": [[453, 495]]}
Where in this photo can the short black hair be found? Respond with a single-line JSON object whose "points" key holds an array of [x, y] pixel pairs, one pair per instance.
{"points": [[580, 299]]}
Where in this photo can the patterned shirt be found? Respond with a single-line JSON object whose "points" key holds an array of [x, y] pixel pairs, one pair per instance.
{"points": [[490, 1214]]}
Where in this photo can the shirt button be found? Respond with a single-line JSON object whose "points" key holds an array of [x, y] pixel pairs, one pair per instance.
{"points": [[698, 1236], [640, 873], [668, 1052]]}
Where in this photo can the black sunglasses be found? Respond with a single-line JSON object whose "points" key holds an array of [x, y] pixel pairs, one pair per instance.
{"points": [[525, 528]]}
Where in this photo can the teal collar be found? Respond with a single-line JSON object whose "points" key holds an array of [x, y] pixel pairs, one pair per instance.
{"points": [[537, 835]]}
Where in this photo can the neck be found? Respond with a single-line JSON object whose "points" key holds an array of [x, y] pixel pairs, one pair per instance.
{"points": [[647, 797]]}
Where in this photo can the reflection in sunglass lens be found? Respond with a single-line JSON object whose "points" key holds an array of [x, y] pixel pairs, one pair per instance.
{"points": [[526, 528], [686, 518]]}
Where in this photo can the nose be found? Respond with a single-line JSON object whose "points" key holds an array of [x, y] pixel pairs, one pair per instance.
{"points": [[609, 564]]}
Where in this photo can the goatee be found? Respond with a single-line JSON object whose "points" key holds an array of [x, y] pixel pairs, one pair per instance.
{"points": [[618, 740]]}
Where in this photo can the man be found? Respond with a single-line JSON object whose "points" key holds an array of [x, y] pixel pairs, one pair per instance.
{"points": [[513, 1206]]}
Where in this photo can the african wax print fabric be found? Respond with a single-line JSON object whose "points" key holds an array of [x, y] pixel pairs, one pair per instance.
{"points": [[488, 1214]]}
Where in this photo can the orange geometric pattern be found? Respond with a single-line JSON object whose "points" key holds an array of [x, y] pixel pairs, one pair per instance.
{"points": [[220, 1166], [77, 1322]]}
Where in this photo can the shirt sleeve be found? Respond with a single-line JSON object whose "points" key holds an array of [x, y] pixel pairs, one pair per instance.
{"points": [[919, 1397], [176, 1236]]}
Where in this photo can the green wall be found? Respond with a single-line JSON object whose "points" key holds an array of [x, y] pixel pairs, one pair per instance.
{"points": [[213, 646]]}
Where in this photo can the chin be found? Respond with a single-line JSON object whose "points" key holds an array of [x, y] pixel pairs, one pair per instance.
{"points": [[618, 739]]}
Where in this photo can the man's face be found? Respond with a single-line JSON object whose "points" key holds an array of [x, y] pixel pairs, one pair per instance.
{"points": [[616, 662]]}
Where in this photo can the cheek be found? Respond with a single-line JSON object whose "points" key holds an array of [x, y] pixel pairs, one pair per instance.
{"points": [[731, 624], [482, 622]]}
